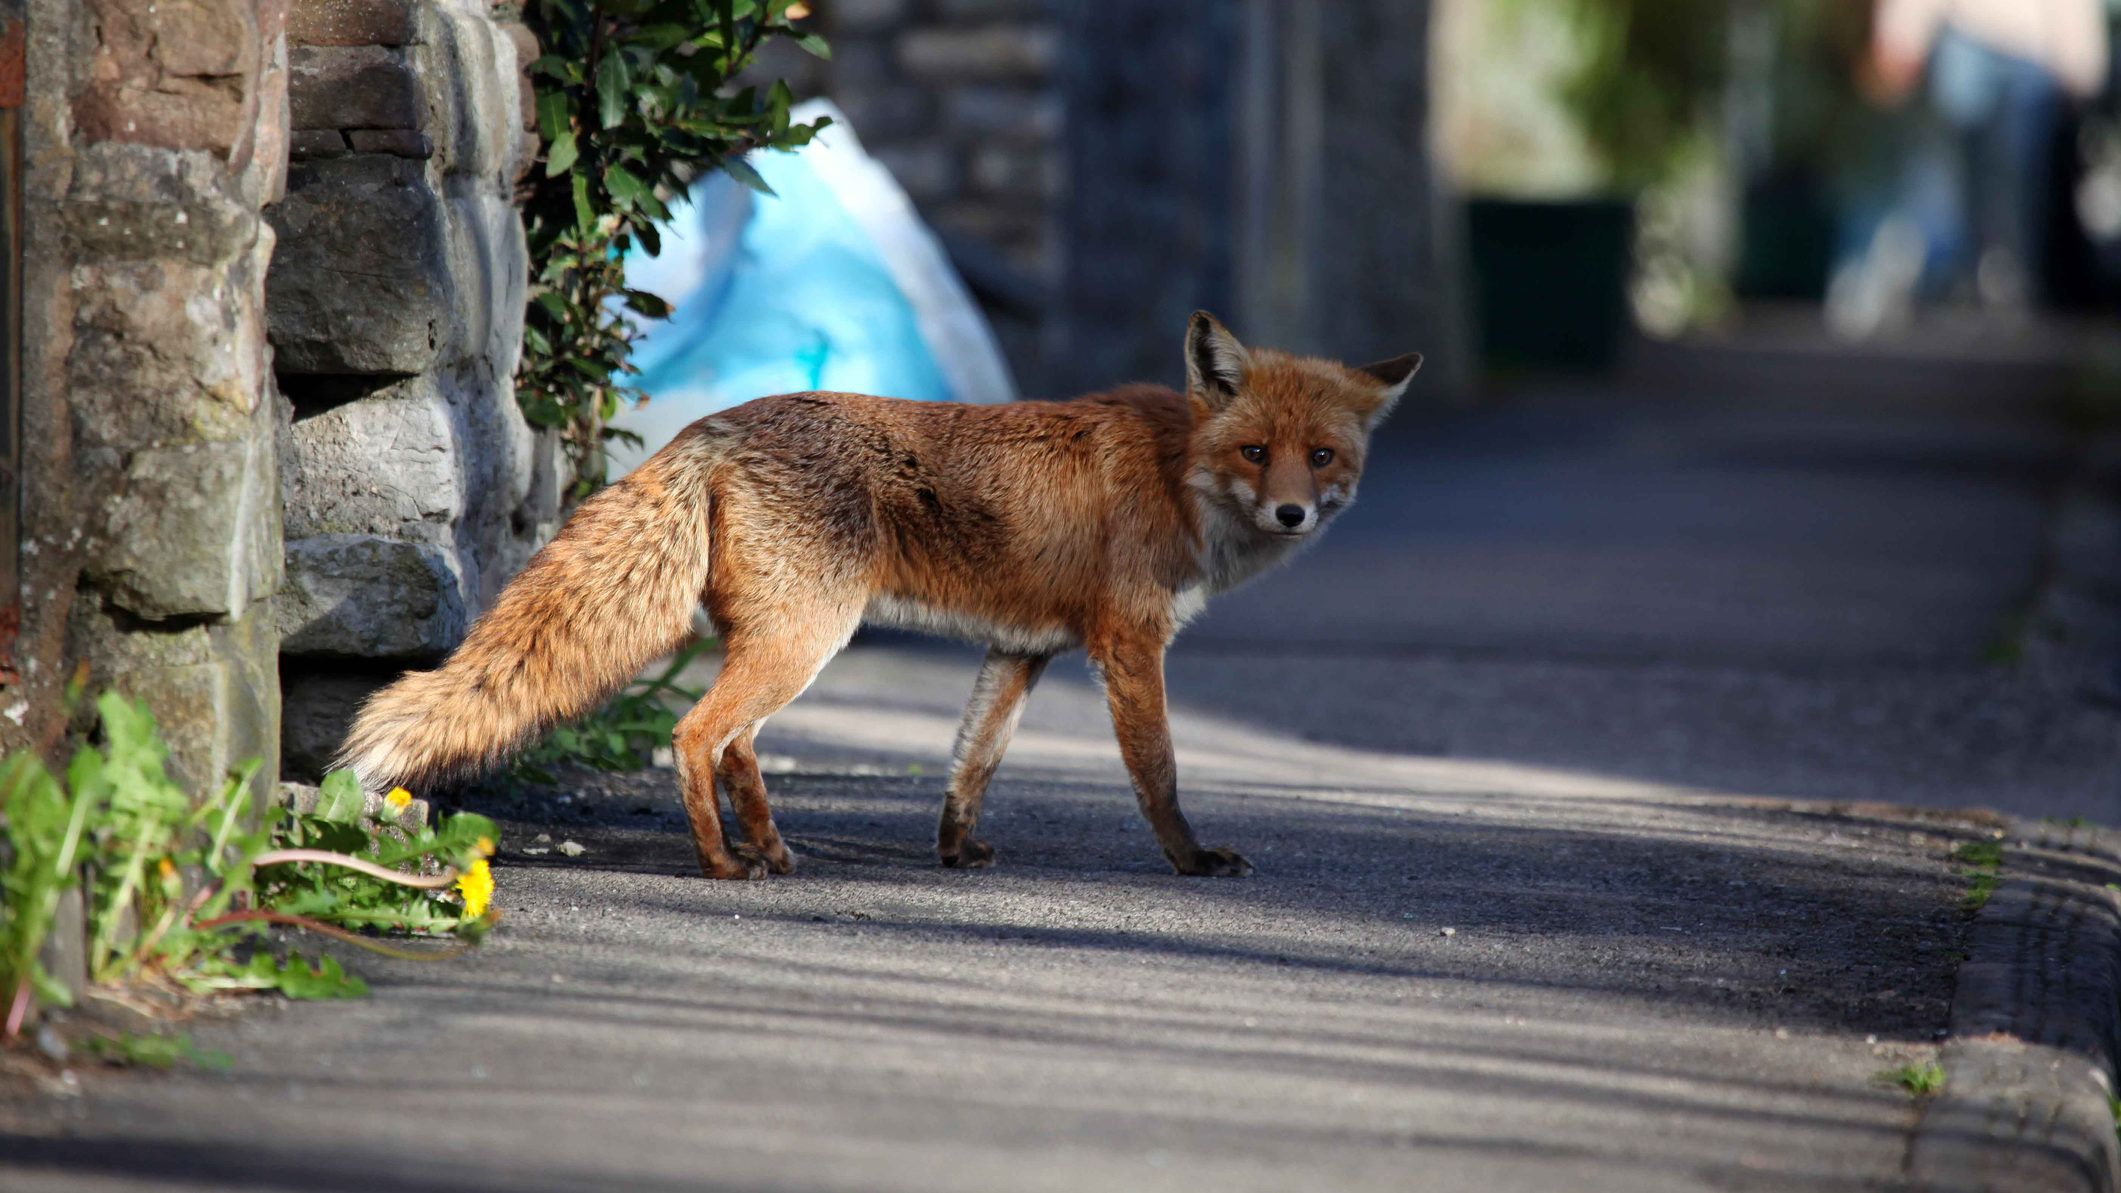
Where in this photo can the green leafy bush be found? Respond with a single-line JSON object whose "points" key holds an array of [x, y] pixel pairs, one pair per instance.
{"points": [[625, 734], [634, 101], [179, 890]]}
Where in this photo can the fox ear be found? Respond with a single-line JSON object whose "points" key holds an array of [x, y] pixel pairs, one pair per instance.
{"points": [[1393, 374], [1215, 361]]}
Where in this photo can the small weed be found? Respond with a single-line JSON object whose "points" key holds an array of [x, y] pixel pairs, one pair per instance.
{"points": [[180, 890], [1919, 1080], [1979, 853], [625, 734], [1986, 861], [154, 1052]]}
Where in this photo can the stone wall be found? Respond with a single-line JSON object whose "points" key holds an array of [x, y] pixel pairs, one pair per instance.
{"points": [[961, 100], [413, 487], [1266, 160], [1099, 170], [152, 136]]}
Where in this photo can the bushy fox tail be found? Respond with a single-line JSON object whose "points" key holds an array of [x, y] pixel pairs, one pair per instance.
{"points": [[615, 588]]}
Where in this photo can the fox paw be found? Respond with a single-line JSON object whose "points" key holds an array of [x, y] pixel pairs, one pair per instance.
{"points": [[776, 857], [1213, 863], [743, 862], [972, 854]]}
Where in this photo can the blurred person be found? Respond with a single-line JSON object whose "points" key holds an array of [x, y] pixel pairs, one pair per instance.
{"points": [[1968, 213]]}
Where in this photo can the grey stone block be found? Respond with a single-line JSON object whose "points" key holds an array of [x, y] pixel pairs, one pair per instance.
{"points": [[997, 112], [471, 89], [988, 10], [317, 142], [347, 87], [360, 283], [193, 530], [403, 142], [865, 16], [381, 465], [1017, 53], [136, 202], [490, 263], [349, 22], [1016, 171], [168, 351], [360, 596], [927, 171], [214, 689]]}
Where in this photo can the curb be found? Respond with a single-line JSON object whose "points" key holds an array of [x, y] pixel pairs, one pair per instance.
{"points": [[2036, 1027]]}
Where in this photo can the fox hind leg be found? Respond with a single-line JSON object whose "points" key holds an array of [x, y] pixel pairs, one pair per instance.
{"points": [[990, 721], [761, 672], [746, 787]]}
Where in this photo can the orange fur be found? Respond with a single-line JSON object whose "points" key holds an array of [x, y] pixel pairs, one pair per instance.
{"points": [[1101, 522]]}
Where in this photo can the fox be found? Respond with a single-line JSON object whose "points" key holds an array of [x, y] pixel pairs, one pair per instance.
{"points": [[1102, 523]]}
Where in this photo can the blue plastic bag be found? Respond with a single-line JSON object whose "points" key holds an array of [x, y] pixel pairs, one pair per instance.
{"points": [[830, 283]]}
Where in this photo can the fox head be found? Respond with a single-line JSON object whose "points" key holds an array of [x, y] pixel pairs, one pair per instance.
{"points": [[1279, 440]]}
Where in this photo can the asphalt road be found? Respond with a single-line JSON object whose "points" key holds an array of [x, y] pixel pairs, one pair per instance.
{"points": [[1556, 764]]}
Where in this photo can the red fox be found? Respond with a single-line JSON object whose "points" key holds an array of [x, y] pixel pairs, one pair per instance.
{"points": [[1102, 522]]}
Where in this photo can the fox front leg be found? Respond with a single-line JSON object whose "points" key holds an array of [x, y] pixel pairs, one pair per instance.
{"points": [[1133, 669]]}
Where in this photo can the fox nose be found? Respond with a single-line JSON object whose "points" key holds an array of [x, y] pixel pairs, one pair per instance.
{"points": [[1291, 516]]}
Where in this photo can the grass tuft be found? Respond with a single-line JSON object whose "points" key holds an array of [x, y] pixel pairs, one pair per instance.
{"points": [[1922, 1080], [1985, 859]]}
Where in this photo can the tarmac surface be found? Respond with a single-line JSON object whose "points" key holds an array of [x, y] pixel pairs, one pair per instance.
{"points": [[1566, 763]]}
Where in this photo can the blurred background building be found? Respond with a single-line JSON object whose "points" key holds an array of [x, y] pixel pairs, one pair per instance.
{"points": [[1098, 171], [1498, 182]]}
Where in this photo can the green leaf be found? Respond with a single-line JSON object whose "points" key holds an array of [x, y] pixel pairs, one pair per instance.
{"points": [[339, 798], [613, 84], [553, 115], [295, 979], [778, 98], [562, 155], [585, 217], [661, 37], [815, 45], [742, 171], [627, 189], [725, 15], [644, 303]]}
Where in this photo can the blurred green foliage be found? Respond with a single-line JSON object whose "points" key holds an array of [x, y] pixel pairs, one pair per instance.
{"points": [[625, 734], [635, 99], [1646, 87], [1654, 79]]}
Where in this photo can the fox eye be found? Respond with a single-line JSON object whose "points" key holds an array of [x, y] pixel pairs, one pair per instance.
{"points": [[1321, 456], [1253, 452]]}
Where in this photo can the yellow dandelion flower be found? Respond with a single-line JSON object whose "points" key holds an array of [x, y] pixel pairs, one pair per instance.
{"points": [[167, 869], [484, 846], [398, 798], [476, 886]]}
